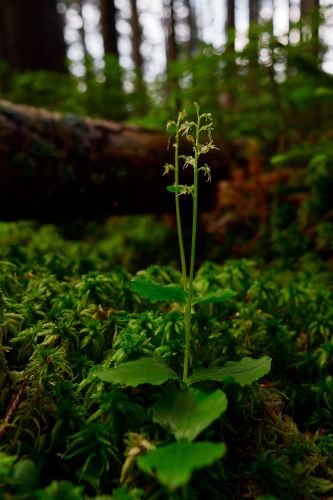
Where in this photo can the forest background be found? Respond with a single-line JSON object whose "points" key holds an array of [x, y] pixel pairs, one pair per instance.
{"points": [[262, 68]]}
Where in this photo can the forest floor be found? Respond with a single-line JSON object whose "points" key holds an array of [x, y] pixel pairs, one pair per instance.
{"points": [[68, 309]]}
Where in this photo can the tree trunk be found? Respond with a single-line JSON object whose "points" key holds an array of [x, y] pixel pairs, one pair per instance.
{"points": [[230, 25], [55, 167], [307, 6], [171, 54], [109, 30], [32, 35], [113, 85], [253, 46], [137, 57], [192, 25], [254, 11], [82, 32], [310, 21]]}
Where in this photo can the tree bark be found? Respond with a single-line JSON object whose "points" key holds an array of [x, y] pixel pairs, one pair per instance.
{"points": [[254, 11], [171, 53], [192, 25], [230, 25], [109, 30], [32, 35], [54, 167], [307, 6], [310, 18], [137, 56]]}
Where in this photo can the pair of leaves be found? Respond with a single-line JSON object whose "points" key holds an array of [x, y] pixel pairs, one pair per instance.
{"points": [[175, 463], [155, 292], [155, 371], [185, 414]]}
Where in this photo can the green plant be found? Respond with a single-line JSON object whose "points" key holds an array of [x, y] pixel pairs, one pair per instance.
{"points": [[185, 412]]}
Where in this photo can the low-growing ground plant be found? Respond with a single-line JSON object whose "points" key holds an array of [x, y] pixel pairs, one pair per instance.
{"points": [[185, 411]]}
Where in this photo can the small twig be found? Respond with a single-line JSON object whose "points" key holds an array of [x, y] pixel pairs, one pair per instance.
{"points": [[12, 407]]}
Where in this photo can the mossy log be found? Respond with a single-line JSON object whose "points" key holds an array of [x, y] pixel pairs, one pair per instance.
{"points": [[54, 167]]}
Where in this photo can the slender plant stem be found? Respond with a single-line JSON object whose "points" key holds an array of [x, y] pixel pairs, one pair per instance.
{"points": [[178, 218], [188, 307]]}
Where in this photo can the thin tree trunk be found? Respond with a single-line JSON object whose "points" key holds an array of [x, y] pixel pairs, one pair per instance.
{"points": [[253, 44], [230, 66], [230, 25], [109, 30], [113, 85], [172, 53], [136, 53], [55, 167], [82, 32], [310, 20], [32, 35], [254, 11], [193, 29]]}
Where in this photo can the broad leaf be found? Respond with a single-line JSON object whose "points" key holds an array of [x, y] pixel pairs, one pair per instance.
{"points": [[215, 297], [175, 463], [26, 474], [156, 292], [152, 371], [244, 372], [185, 414]]}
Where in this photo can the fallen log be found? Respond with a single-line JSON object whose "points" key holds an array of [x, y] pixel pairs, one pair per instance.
{"points": [[54, 167]]}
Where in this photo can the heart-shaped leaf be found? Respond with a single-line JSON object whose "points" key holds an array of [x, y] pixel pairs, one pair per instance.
{"points": [[215, 297], [187, 413], [155, 292], [244, 372], [152, 371], [175, 463]]}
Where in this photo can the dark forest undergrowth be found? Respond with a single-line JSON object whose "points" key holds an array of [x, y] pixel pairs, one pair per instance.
{"points": [[67, 309]]}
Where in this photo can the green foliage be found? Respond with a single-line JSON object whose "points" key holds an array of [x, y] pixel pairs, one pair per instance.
{"points": [[19, 476], [62, 324], [60, 489], [155, 292], [215, 297], [242, 372], [187, 413], [152, 371], [68, 314], [175, 463]]}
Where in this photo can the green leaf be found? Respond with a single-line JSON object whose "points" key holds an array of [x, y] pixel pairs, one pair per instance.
{"points": [[60, 489], [156, 292], [185, 414], [175, 189], [323, 92], [26, 474], [152, 371], [6, 464], [292, 156], [243, 372], [215, 297], [175, 463]]}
